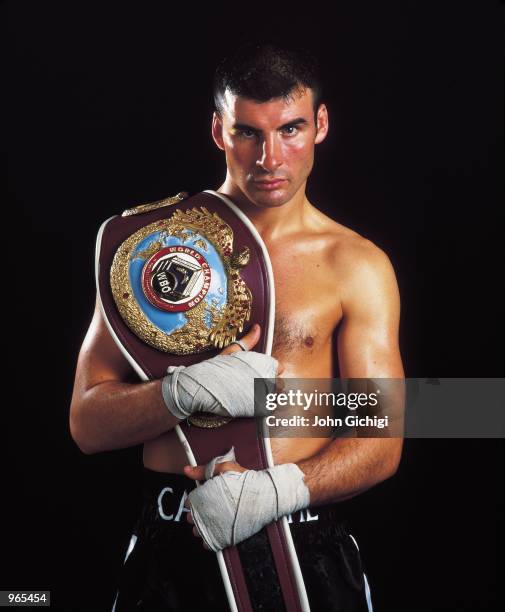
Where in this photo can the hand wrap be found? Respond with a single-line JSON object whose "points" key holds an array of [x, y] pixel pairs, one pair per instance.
{"points": [[233, 506], [222, 385]]}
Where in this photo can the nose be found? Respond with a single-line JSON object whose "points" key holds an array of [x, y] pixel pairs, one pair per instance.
{"points": [[271, 155]]}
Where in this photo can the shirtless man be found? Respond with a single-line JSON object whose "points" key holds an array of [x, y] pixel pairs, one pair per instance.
{"points": [[268, 127]]}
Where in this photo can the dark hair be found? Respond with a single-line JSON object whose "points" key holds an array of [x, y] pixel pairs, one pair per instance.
{"points": [[263, 72]]}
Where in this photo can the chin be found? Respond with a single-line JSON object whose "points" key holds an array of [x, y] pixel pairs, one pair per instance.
{"points": [[271, 199]]}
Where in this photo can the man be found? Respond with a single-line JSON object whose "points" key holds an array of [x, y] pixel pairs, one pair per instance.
{"points": [[267, 121]]}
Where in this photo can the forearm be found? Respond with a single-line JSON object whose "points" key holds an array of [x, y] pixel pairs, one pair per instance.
{"points": [[346, 467], [114, 415], [349, 466]]}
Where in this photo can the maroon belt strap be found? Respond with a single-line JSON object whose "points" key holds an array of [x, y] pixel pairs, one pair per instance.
{"points": [[167, 248], [246, 437]]}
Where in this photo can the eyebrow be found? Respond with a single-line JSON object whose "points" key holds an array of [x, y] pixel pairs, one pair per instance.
{"points": [[293, 123]]}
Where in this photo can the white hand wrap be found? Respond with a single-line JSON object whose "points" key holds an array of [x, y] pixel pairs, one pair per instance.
{"points": [[233, 506], [222, 385]]}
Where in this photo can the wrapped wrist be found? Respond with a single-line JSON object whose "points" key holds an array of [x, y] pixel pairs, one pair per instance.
{"points": [[292, 492], [232, 506]]}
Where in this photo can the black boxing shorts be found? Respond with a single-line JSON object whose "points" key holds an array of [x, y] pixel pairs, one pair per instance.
{"points": [[167, 569]]}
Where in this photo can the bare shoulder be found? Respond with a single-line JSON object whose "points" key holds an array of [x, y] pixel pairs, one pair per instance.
{"points": [[350, 248], [359, 264]]}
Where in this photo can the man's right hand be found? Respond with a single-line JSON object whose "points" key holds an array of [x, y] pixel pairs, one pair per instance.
{"points": [[250, 340], [221, 385]]}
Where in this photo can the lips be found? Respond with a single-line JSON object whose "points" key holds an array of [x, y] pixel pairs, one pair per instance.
{"points": [[269, 185]]}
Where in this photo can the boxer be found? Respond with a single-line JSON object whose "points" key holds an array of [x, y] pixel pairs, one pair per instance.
{"points": [[337, 302]]}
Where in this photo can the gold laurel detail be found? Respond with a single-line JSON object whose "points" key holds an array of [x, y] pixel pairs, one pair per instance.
{"points": [[143, 208], [153, 248], [240, 260], [201, 244], [194, 336], [236, 312]]}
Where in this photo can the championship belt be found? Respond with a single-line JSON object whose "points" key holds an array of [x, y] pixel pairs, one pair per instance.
{"points": [[177, 281]]}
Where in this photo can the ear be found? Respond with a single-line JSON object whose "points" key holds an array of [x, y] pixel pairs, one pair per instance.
{"points": [[217, 130], [322, 123]]}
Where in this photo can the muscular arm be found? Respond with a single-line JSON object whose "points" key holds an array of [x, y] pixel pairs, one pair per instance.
{"points": [[367, 348], [106, 412]]}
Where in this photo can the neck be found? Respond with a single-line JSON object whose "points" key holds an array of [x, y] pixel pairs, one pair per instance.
{"points": [[271, 222]]}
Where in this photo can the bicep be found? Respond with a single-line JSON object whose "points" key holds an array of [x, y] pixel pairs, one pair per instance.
{"points": [[100, 360], [368, 335]]}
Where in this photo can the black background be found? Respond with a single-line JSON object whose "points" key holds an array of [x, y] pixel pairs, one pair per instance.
{"points": [[110, 106]]}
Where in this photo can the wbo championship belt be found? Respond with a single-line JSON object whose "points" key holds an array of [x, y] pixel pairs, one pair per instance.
{"points": [[177, 281]]}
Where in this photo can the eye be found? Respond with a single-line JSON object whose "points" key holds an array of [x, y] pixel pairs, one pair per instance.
{"points": [[247, 133], [290, 130]]}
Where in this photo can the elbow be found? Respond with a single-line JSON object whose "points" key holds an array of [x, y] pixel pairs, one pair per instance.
{"points": [[79, 433], [392, 460], [390, 469], [86, 448]]}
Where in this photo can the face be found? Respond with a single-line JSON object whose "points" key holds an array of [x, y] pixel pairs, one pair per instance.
{"points": [[269, 146]]}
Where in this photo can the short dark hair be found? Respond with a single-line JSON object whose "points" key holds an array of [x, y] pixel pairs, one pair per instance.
{"points": [[263, 72]]}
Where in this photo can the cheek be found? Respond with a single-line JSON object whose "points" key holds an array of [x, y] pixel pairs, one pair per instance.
{"points": [[238, 157], [299, 155]]}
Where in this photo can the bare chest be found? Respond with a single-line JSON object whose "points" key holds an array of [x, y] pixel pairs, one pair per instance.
{"points": [[307, 305]]}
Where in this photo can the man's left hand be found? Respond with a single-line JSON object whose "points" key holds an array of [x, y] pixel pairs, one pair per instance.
{"points": [[234, 503]]}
